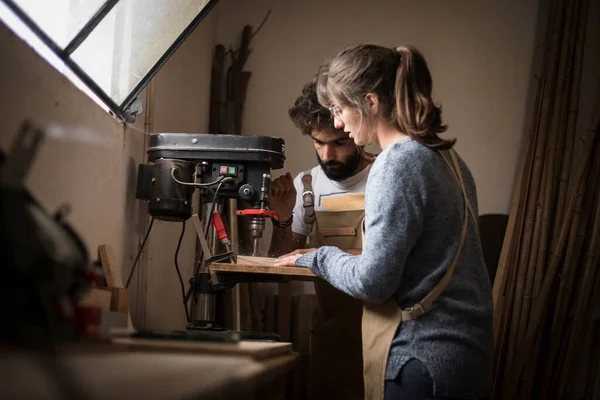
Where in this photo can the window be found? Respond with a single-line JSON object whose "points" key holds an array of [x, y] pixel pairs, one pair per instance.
{"points": [[112, 47]]}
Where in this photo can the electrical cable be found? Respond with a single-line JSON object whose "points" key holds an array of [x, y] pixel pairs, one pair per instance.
{"points": [[213, 207], [187, 313], [200, 185], [137, 257], [214, 204]]}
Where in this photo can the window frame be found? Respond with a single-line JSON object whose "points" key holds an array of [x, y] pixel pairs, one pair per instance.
{"points": [[122, 110]]}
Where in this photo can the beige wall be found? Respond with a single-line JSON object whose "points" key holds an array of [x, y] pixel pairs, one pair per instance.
{"points": [[98, 179], [480, 54], [182, 101]]}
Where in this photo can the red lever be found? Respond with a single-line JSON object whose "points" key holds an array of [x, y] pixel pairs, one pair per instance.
{"points": [[218, 223], [260, 212]]}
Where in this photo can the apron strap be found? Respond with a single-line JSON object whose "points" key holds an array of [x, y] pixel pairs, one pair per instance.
{"points": [[471, 212], [308, 200], [421, 307]]}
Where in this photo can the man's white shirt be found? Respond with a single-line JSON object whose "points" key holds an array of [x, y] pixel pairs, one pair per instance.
{"points": [[323, 187]]}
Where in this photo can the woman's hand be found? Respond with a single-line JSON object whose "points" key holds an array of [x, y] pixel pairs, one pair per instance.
{"points": [[289, 260]]}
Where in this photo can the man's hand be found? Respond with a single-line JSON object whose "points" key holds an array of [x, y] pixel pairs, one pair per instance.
{"points": [[289, 260], [283, 197]]}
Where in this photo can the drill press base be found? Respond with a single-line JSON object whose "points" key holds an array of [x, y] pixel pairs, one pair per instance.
{"points": [[202, 326]]}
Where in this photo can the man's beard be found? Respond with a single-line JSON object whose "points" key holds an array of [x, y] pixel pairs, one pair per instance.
{"points": [[338, 171]]}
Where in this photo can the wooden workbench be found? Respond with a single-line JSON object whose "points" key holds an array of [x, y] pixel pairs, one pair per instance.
{"points": [[153, 369]]}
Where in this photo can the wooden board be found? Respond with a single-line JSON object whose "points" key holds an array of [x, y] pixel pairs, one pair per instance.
{"points": [[262, 266], [148, 376], [250, 260], [112, 273], [96, 297], [107, 257], [254, 350], [119, 301]]}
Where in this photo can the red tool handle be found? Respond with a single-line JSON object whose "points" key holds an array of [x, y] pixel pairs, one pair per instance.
{"points": [[218, 223]]}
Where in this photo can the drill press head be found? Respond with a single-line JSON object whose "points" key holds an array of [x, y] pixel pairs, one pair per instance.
{"points": [[237, 166]]}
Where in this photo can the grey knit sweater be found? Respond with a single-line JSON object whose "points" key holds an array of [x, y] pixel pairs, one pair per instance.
{"points": [[413, 220]]}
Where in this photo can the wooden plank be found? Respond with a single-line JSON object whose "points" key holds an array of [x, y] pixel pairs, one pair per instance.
{"points": [[262, 265], [120, 296], [251, 349], [250, 261], [119, 301], [106, 255], [98, 298]]}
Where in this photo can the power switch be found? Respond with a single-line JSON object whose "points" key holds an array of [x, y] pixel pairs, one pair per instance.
{"points": [[228, 170]]}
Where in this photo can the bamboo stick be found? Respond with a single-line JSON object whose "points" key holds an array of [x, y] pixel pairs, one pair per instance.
{"points": [[594, 365], [567, 160], [519, 194], [506, 276], [515, 221], [504, 283], [572, 119], [559, 109], [557, 329], [540, 151], [521, 187], [216, 96], [560, 358], [535, 246], [580, 322], [499, 350], [572, 286], [541, 305], [572, 266], [527, 383]]}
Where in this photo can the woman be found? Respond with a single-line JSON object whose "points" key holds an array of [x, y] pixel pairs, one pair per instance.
{"points": [[427, 317]]}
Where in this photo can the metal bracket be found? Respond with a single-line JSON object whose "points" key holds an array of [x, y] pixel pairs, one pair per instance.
{"points": [[136, 108]]}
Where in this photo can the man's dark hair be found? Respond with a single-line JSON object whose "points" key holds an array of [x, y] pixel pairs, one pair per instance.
{"points": [[308, 115]]}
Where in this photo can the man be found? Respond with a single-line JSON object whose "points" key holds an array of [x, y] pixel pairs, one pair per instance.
{"points": [[342, 169], [325, 206]]}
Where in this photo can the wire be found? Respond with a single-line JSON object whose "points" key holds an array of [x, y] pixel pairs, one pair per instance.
{"points": [[202, 185], [137, 257], [208, 225], [214, 204], [187, 314]]}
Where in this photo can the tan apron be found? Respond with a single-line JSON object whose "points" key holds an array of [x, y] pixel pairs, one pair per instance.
{"points": [[380, 322], [335, 365]]}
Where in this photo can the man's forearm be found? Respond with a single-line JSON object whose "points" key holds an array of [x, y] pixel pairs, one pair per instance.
{"points": [[284, 241]]}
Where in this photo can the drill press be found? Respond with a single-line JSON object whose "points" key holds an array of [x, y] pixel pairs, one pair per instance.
{"points": [[220, 166]]}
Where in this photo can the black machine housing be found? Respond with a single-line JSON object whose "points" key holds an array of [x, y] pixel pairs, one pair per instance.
{"points": [[244, 159]]}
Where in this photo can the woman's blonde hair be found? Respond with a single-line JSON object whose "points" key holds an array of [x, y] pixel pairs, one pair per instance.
{"points": [[401, 80]]}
